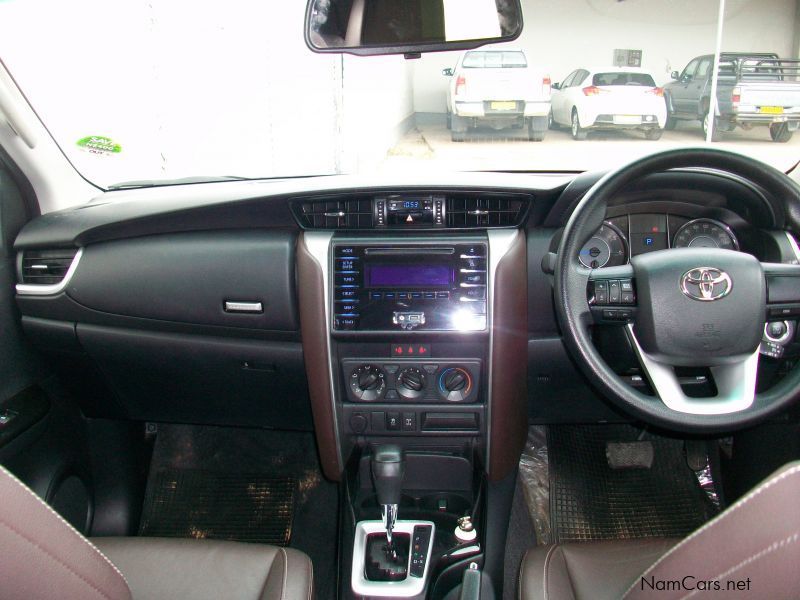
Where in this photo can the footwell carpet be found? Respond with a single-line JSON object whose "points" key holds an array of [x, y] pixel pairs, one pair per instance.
{"points": [[591, 501], [201, 504]]}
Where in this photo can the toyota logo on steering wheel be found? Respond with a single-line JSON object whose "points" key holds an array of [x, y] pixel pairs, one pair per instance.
{"points": [[706, 284]]}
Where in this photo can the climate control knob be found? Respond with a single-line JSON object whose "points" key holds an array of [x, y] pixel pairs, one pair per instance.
{"points": [[455, 384], [410, 383], [368, 383]]}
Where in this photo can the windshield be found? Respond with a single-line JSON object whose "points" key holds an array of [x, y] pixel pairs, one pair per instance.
{"points": [[148, 92]]}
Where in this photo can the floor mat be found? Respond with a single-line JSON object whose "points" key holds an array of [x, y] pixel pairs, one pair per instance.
{"points": [[591, 501], [269, 484], [201, 504]]}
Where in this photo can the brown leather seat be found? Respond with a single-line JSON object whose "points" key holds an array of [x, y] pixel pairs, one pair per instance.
{"points": [[751, 550], [43, 556]]}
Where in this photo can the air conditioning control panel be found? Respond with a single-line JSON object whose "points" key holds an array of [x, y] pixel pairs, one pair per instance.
{"points": [[393, 380]]}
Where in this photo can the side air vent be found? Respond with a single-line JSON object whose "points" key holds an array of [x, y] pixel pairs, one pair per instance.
{"points": [[485, 211], [46, 267], [335, 214]]}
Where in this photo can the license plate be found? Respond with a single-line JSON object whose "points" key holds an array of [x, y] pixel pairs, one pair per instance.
{"points": [[503, 105], [771, 110], [627, 119]]}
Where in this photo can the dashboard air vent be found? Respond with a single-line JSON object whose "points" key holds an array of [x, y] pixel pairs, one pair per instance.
{"points": [[484, 211], [46, 267], [336, 214]]}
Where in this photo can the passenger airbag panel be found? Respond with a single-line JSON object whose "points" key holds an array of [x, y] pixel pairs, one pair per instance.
{"points": [[188, 277]]}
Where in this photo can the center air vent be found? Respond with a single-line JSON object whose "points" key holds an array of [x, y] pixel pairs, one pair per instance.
{"points": [[46, 267], [485, 211], [336, 214]]}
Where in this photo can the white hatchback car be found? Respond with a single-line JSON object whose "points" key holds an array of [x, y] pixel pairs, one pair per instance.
{"points": [[611, 98]]}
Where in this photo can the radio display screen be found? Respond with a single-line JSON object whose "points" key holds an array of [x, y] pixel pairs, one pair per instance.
{"points": [[396, 275]]}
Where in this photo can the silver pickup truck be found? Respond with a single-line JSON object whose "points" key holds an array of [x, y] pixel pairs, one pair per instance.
{"points": [[752, 89]]}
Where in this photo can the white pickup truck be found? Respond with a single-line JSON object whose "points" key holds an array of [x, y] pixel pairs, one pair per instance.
{"points": [[497, 89]]}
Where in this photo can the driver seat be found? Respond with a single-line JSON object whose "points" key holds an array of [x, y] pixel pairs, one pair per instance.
{"points": [[752, 549]]}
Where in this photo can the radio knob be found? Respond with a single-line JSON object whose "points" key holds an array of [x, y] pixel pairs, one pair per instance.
{"points": [[368, 383], [410, 383]]}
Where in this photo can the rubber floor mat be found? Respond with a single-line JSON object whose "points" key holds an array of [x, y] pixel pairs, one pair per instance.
{"points": [[202, 504], [591, 501]]}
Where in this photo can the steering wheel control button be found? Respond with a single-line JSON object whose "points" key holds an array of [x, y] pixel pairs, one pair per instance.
{"points": [[613, 291], [601, 292]]}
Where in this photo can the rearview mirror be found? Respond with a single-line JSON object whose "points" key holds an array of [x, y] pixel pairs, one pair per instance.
{"points": [[556, 86], [409, 26], [447, 72], [675, 75]]}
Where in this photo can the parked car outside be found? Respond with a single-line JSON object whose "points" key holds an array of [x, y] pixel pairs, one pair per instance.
{"points": [[752, 89], [498, 89], [609, 98]]}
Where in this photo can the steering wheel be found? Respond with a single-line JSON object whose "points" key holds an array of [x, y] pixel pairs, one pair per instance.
{"points": [[692, 307]]}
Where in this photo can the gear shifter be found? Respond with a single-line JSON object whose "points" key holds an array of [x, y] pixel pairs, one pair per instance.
{"points": [[388, 469]]}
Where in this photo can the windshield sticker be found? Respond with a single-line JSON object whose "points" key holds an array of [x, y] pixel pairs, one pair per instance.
{"points": [[97, 144]]}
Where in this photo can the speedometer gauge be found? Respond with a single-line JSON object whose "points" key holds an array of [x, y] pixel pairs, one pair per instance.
{"points": [[705, 233], [606, 248]]}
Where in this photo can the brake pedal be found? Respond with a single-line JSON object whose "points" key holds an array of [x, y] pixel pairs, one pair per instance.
{"points": [[630, 455]]}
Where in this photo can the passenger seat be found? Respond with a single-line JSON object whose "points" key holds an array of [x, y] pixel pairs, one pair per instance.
{"points": [[45, 557]]}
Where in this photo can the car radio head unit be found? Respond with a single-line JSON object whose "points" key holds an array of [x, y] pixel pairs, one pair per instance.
{"points": [[384, 287]]}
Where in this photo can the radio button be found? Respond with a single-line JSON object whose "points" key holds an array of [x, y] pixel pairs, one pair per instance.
{"points": [[443, 295], [346, 264], [345, 251], [346, 323], [389, 295], [476, 250], [347, 278], [402, 295], [475, 293], [416, 295], [430, 295], [346, 308], [346, 293], [473, 278], [376, 296], [474, 263]]}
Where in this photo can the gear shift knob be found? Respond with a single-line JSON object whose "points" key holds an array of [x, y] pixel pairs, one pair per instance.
{"points": [[388, 469]]}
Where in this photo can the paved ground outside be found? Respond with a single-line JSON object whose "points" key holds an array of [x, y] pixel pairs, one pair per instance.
{"points": [[428, 147]]}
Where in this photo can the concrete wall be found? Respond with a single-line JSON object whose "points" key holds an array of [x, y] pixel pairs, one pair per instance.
{"points": [[378, 107], [568, 34]]}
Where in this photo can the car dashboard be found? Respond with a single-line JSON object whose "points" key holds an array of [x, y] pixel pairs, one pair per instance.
{"points": [[365, 310]]}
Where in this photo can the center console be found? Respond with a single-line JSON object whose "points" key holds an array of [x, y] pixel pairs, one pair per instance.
{"points": [[401, 343]]}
